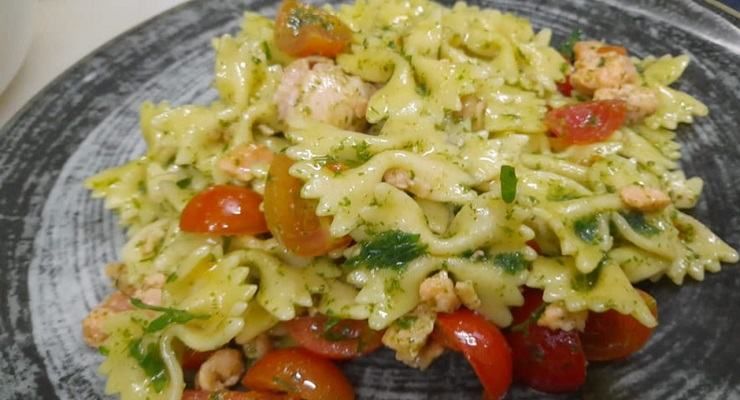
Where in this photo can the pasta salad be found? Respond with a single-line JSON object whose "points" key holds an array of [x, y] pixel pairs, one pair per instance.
{"points": [[398, 174]]}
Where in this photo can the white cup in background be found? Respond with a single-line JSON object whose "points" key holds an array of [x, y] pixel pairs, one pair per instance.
{"points": [[16, 32]]}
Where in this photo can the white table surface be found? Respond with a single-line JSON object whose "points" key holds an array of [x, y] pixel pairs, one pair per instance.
{"points": [[64, 32]]}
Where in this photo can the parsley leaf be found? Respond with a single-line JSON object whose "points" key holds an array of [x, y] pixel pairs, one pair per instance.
{"points": [[406, 322], [151, 362], [511, 263], [587, 229], [508, 183], [331, 323], [169, 316], [183, 183], [266, 50], [523, 327], [637, 221], [586, 282], [389, 249], [566, 49], [362, 151], [334, 332]]}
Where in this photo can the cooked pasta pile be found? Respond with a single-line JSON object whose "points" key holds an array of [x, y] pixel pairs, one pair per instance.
{"points": [[434, 154]]}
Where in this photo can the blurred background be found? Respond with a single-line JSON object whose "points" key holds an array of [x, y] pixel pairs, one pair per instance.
{"points": [[58, 33], [39, 39]]}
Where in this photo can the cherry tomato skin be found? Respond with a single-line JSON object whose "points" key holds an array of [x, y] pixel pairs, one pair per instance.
{"points": [[291, 218], [231, 395], [585, 123], [192, 359], [612, 336], [535, 246], [301, 373], [345, 340], [564, 87], [547, 360], [483, 345], [302, 30], [224, 210]]}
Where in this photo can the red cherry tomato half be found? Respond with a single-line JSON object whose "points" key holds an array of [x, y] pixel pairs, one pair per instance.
{"points": [[586, 123], [482, 344], [610, 335], [192, 359], [547, 360], [535, 246], [302, 30], [291, 218], [230, 395], [564, 87], [301, 373], [224, 210], [339, 340]]}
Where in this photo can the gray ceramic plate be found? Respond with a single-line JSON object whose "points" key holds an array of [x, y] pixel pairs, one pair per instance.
{"points": [[54, 239]]}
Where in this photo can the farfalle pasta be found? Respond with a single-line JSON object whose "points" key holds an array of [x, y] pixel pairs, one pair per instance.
{"points": [[398, 173]]}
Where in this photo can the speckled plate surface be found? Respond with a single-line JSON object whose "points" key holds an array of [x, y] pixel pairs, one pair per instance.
{"points": [[54, 239]]}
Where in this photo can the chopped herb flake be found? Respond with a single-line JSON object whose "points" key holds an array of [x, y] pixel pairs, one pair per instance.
{"points": [[523, 327], [637, 221], [566, 49], [334, 332], [362, 150], [586, 282], [266, 50], [512, 263], [587, 229], [306, 15], [508, 183], [389, 249], [406, 321], [422, 90], [560, 193], [151, 362], [169, 316], [184, 183]]}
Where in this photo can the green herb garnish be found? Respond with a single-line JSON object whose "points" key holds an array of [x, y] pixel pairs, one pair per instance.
{"points": [[566, 49], [587, 229], [406, 322], [266, 50], [334, 332], [151, 362], [389, 249], [331, 322], [586, 282], [306, 15], [637, 221], [523, 326], [512, 263], [560, 193], [422, 90], [362, 150], [169, 316], [508, 183], [183, 183]]}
